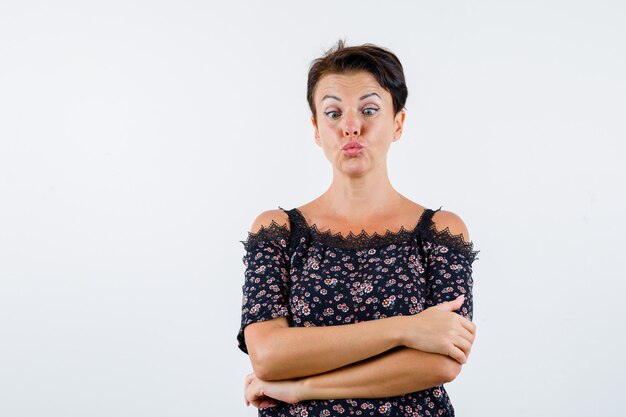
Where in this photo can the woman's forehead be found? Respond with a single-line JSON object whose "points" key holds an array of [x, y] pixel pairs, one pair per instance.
{"points": [[350, 83]]}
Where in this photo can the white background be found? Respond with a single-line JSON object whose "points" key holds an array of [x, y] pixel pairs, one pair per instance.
{"points": [[139, 140]]}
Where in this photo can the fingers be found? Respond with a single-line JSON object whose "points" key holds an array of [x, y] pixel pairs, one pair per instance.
{"points": [[257, 399], [458, 302], [247, 382], [464, 340], [250, 395], [262, 401], [451, 305], [469, 325], [267, 404], [457, 354], [464, 345], [466, 334], [249, 378]]}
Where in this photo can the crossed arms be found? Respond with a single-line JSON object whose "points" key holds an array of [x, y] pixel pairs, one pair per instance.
{"points": [[363, 360], [377, 358]]}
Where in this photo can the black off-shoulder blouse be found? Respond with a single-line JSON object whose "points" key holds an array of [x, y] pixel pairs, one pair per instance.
{"points": [[316, 278]]}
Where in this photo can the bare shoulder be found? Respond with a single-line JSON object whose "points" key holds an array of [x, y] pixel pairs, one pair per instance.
{"points": [[268, 217], [444, 219]]}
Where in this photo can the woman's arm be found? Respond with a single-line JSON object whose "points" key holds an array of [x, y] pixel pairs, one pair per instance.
{"points": [[397, 372], [279, 352]]}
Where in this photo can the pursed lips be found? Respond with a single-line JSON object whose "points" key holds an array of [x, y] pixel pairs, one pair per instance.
{"points": [[352, 145]]}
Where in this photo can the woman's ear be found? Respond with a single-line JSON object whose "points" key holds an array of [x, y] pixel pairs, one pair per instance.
{"points": [[317, 134], [399, 123]]}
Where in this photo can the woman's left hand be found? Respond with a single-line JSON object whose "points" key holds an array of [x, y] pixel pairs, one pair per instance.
{"points": [[263, 394]]}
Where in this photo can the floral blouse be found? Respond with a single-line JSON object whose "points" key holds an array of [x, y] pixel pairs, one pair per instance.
{"points": [[315, 278]]}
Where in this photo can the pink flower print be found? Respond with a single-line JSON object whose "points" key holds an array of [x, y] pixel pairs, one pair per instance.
{"points": [[303, 307], [330, 281], [384, 408], [389, 302]]}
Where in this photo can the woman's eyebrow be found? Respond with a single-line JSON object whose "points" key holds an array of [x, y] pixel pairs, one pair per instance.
{"points": [[360, 98], [370, 94]]}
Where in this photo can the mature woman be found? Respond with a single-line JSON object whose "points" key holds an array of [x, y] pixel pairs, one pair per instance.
{"points": [[360, 301]]}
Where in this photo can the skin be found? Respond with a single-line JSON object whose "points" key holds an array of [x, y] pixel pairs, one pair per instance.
{"points": [[360, 195], [349, 107], [389, 374]]}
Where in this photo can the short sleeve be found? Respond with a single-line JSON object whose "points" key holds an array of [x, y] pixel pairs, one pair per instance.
{"points": [[266, 277], [450, 272]]}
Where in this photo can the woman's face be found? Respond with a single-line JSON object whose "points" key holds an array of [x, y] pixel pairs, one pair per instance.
{"points": [[355, 108]]}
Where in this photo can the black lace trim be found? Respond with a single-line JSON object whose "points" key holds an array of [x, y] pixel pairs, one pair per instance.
{"points": [[274, 231], [446, 238], [362, 240]]}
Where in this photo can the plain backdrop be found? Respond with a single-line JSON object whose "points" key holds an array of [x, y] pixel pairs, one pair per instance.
{"points": [[139, 140]]}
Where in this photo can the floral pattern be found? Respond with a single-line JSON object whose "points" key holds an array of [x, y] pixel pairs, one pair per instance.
{"points": [[315, 278]]}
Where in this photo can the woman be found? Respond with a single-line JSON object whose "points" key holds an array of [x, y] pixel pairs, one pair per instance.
{"points": [[359, 302]]}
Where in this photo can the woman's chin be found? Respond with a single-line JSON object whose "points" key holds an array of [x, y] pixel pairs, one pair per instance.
{"points": [[354, 168]]}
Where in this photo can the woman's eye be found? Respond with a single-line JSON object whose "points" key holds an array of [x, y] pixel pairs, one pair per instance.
{"points": [[370, 111], [332, 114]]}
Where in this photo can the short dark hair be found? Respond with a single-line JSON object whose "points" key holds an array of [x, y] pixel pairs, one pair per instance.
{"points": [[383, 64]]}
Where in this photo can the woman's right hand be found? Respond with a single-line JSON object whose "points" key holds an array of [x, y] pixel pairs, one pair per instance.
{"points": [[439, 329]]}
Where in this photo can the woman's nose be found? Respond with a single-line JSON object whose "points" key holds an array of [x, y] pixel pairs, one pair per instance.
{"points": [[351, 127]]}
